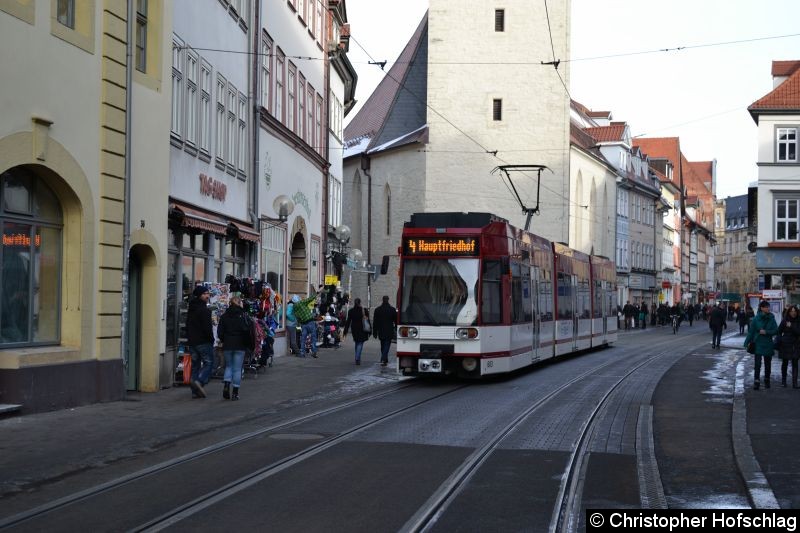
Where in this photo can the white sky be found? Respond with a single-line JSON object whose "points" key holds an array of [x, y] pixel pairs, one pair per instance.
{"points": [[700, 95]]}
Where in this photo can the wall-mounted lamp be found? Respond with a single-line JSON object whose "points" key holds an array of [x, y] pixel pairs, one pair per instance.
{"points": [[283, 206]]}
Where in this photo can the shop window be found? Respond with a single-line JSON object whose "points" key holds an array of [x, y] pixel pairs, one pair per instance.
{"points": [[30, 278]]}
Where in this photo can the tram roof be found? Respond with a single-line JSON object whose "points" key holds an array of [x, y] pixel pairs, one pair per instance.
{"points": [[452, 220]]}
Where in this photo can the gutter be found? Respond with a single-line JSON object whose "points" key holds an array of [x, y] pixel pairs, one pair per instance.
{"points": [[255, 131], [126, 216]]}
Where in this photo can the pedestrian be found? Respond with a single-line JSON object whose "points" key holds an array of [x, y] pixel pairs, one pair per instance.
{"points": [[235, 333], [200, 334], [291, 325], [627, 312], [789, 345], [384, 324], [357, 318], [743, 319], [761, 330], [716, 322], [305, 313], [690, 314], [643, 312]]}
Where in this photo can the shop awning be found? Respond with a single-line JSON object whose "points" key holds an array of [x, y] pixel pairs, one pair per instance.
{"points": [[191, 217], [244, 232]]}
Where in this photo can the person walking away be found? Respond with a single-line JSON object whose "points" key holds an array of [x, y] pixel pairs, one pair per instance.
{"points": [[384, 324], [200, 335], [643, 312], [355, 321], [304, 312], [750, 316], [743, 319], [235, 333], [291, 325], [716, 322], [761, 330], [789, 346], [690, 314]]}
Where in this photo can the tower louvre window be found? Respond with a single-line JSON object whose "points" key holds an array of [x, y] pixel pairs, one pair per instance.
{"points": [[499, 20], [497, 109]]}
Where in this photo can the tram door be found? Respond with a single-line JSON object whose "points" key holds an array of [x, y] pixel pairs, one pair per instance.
{"points": [[574, 293], [534, 288]]}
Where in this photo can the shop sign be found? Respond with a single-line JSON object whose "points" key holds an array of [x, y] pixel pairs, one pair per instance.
{"points": [[331, 280], [776, 258], [666, 284], [772, 294], [213, 188], [21, 240], [635, 281]]}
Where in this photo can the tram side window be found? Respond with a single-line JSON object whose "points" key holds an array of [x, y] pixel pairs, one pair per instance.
{"points": [[517, 311], [545, 297], [597, 311], [565, 309], [491, 289], [584, 299]]}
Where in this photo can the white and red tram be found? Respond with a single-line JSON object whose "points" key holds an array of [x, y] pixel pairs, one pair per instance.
{"points": [[478, 296]]}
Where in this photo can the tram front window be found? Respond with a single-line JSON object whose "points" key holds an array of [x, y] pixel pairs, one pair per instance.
{"points": [[440, 292]]}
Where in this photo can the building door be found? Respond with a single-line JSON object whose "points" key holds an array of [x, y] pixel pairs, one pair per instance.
{"points": [[134, 326], [298, 266]]}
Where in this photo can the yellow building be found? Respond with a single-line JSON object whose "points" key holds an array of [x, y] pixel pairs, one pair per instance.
{"points": [[63, 147]]}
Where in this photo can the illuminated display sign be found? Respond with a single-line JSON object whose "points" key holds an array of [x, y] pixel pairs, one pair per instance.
{"points": [[20, 239], [440, 246]]}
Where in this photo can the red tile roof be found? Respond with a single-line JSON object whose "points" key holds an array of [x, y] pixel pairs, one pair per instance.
{"points": [[784, 68], [663, 148], [784, 96], [612, 133]]}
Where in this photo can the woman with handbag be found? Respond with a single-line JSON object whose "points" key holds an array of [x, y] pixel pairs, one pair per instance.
{"points": [[789, 349], [235, 333], [759, 342], [358, 320]]}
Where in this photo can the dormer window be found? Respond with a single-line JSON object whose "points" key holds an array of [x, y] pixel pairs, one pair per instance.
{"points": [[786, 145]]}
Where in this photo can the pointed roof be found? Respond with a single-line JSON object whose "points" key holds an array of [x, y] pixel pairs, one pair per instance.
{"points": [[663, 148], [392, 112], [784, 97]]}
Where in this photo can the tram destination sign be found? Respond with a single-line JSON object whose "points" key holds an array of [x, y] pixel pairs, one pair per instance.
{"points": [[442, 246]]}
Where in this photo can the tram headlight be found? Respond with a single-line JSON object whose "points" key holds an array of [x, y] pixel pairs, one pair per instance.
{"points": [[467, 333], [469, 364], [408, 332]]}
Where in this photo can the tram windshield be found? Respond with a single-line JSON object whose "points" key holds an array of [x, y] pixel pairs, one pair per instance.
{"points": [[440, 292]]}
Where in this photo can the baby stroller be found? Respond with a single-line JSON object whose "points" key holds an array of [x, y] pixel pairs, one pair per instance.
{"points": [[330, 330]]}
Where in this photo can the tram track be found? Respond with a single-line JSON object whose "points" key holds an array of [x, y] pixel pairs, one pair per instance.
{"points": [[87, 494]]}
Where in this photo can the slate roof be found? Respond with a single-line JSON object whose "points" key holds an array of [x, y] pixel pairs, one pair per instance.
{"points": [[397, 108], [736, 207]]}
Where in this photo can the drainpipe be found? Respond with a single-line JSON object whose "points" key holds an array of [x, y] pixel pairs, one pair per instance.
{"points": [[126, 222], [255, 129], [365, 164], [326, 102]]}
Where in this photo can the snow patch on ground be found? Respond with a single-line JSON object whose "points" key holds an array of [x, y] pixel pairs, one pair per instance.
{"points": [[712, 501], [720, 377]]}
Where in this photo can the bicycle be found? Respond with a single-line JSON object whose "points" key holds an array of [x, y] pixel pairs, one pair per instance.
{"points": [[675, 324]]}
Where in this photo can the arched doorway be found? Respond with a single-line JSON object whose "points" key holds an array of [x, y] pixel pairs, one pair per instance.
{"points": [[298, 265]]}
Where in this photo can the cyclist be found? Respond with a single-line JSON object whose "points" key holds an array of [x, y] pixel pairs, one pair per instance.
{"points": [[676, 314]]}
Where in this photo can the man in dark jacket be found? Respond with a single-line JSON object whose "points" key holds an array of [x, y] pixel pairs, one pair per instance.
{"points": [[200, 339], [716, 322], [384, 323]]}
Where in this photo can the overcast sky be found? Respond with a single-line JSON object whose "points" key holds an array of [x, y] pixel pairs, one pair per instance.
{"points": [[698, 94]]}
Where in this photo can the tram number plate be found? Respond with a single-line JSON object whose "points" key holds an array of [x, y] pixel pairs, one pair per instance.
{"points": [[429, 365]]}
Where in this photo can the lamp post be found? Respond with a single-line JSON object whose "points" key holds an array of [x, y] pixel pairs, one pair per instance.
{"points": [[283, 207]]}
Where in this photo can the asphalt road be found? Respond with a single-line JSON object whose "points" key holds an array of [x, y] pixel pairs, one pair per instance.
{"points": [[378, 464]]}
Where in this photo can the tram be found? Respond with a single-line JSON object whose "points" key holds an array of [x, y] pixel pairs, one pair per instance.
{"points": [[478, 296]]}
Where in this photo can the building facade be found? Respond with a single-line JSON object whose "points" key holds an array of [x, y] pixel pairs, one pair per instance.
{"points": [[63, 173], [778, 240], [211, 232], [431, 133], [736, 273]]}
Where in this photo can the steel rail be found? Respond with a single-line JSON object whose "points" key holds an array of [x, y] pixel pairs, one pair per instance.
{"points": [[186, 458]]}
